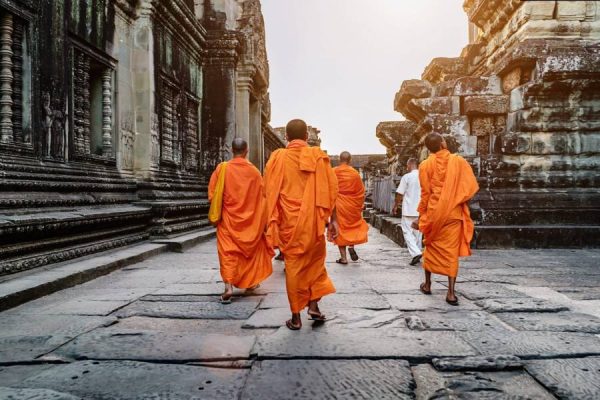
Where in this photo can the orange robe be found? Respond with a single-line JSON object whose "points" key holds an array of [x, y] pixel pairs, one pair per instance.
{"points": [[301, 191], [447, 185], [349, 207], [244, 254]]}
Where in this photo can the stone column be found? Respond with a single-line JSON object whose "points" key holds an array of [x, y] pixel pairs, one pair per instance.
{"points": [[107, 114], [6, 79], [242, 104], [146, 147], [255, 142]]}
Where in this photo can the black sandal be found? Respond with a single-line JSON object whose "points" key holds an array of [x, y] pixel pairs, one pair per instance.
{"points": [[340, 261], [422, 289], [290, 325], [452, 302], [316, 316], [353, 254]]}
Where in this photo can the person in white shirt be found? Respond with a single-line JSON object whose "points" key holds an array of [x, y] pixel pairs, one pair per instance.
{"points": [[409, 195]]}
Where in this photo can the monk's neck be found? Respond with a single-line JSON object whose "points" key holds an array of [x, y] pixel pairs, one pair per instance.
{"points": [[296, 143]]}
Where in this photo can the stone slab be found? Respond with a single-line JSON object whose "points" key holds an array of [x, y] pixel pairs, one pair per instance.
{"points": [[524, 304], [130, 380], [534, 345], [480, 291], [329, 379], [478, 363], [182, 243], [183, 289], [226, 327], [555, 322], [190, 310], [69, 307], [368, 343], [505, 385], [580, 293], [13, 375], [574, 378], [24, 348], [41, 325], [453, 321], [34, 394], [344, 318], [421, 302], [156, 346], [370, 301]]}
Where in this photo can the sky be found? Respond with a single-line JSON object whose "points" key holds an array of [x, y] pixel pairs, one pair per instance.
{"points": [[337, 64]]}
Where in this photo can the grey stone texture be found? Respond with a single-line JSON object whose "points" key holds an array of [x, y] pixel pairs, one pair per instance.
{"points": [[166, 334]]}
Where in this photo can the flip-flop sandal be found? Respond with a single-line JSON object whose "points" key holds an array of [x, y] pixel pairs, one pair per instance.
{"points": [[353, 254], [225, 301], [339, 261], [452, 302], [290, 325], [316, 316], [422, 289]]}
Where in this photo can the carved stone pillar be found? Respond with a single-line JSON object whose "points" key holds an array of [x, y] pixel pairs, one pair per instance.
{"points": [[107, 128], [6, 79], [242, 105]]}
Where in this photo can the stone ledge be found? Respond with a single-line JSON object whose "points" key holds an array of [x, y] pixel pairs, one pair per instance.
{"points": [[31, 286], [181, 243]]}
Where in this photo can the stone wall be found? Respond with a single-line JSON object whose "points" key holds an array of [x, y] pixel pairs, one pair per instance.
{"points": [[521, 104], [114, 113]]}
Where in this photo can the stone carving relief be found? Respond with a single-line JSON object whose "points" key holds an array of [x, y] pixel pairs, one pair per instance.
{"points": [[55, 135]]}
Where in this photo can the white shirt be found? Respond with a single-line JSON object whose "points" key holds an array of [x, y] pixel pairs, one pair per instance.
{"points": [[410, 189]]}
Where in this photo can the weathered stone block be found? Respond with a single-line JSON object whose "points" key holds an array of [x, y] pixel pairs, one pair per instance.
{"points": [[577, 378], [511, 80], [485, 105], [540, 10], [411, 89], [473, 86], [516, 144], [571, 10], [552, 322], [478, 363], [432, 105]]}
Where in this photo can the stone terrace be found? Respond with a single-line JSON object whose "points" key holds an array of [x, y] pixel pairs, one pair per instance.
{"points": [[528, 327]]}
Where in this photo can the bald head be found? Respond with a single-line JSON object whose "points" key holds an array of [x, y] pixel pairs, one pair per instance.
{"points": [[239, 147], [345, 157], [435, 142], [296, 129]]}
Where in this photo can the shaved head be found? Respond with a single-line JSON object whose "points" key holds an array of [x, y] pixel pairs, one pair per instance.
{"points": [[296, 129], [435, 142], [239, 146], [345, 157], [412, 162]]}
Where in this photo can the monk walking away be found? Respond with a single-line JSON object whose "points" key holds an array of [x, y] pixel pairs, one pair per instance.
{"points": [[244, 254], [447, 185], [353, 230], [301, 194]]}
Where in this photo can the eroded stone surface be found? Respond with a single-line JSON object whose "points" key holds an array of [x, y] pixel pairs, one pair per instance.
{"points": [[194, 310], [505, 385], [525, 304], [365, 343], [421, 302], [480, 291], [156, 346], [457, 320], [370, 301], [329, 379], [34, 394], [556, 322], [478, 363], [575, 378], [126, 380], [15, 349]]}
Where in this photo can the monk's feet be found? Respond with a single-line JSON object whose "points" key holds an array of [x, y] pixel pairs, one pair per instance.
{"points": [[415, 260], [452, 299], [353, 254], [341, 261], [425, 288], [314, 313], [295, 323], [227, 294]]}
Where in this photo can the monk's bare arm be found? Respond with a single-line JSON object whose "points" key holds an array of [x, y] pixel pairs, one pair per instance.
{"points": [[213, 182]]}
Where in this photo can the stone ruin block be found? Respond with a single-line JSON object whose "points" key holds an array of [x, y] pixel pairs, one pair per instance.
{"points": [[456, 125], [434, 105], [478, 85], [539, 10], [571, 10], [485, 105], [443, 69], [488, 125], [511, 80], [411, 89]]}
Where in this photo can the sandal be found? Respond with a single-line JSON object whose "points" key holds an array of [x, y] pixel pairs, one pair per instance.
{"points": [[452, 302], [290, 325], [316, 316], [353, 254], [340, 261], [422, 289], [226, 300]]}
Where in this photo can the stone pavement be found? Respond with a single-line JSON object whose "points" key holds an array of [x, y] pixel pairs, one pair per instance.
{"points": [[528, 327]]}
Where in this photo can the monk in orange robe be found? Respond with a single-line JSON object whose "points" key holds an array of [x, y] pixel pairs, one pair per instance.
{"points": [[301, 192], [244, 254], [447, 185], [353, 229]]}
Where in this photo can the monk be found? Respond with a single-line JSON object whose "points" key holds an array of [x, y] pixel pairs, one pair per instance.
{"points": [[353, 230], [244, 254], [447, 185], [301, 192]]}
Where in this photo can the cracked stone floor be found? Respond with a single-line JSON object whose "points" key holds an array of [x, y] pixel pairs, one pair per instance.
{"points": [[527, 328]]}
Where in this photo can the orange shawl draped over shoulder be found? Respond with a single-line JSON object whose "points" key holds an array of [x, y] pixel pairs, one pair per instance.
{"points": [[349, 207], [301, 193], [447, 184], [244, 254]]}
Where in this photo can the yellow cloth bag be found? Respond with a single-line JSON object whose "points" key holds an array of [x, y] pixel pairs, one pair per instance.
{"points": [[216, 204]]}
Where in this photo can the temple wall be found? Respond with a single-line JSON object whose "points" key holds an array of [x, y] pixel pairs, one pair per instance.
{"points": [[113, 114]]}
